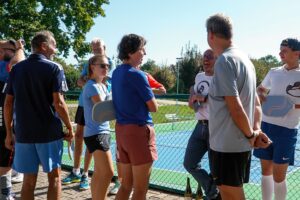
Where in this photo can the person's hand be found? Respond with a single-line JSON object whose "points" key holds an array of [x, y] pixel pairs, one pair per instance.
{"points": [[253, 139], [20, 44], [262, 93], [262, 140], [10, 142], [69, 135], [198, 98]]}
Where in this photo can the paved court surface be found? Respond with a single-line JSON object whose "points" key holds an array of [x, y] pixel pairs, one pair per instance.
{"points": [[72, 192]]}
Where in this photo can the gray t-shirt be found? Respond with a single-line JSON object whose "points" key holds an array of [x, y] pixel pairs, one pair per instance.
{"points": [[234, 75]]}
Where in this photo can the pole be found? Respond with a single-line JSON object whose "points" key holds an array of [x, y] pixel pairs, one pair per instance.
{"points": [[177, 80]]}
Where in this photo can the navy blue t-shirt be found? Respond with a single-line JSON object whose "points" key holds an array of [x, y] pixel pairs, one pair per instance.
{"points": [[131, 91], [32, 83]]}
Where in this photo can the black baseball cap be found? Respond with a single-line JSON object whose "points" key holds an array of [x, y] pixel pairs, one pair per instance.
{"points": [[292, 43]]}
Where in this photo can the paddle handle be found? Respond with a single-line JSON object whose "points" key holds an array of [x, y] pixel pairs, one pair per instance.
{"points": [[297, 106]]}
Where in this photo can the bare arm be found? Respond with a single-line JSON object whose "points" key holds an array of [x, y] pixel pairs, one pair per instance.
{"points": [[160, 91], [96, 99], [240, 118], [262, 93], [62, 110], [8, 118], [257, 114], [81, 81], [238, 114], [19, 55], [152, 105]]}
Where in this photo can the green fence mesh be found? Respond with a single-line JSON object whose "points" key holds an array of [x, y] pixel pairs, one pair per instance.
{"points": [[174, 123]]}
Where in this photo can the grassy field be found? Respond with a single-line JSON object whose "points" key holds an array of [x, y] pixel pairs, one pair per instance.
{"points": [[182, 113]]}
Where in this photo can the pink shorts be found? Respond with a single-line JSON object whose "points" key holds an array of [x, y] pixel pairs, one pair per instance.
{"points": [[135, 144]]}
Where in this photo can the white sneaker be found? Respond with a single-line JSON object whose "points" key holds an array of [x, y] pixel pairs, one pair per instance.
{"points": [[17, 177], [114, 190]]}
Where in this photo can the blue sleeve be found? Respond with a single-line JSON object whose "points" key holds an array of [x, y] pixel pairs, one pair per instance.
{"points": [[140, 82], [3, 71], [92, 90], [84, 71]]}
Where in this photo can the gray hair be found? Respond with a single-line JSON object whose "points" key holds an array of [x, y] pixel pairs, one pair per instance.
{"points": [[97, 40], [220, 25]]}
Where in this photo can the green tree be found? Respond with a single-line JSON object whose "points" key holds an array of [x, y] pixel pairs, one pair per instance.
{"points": [[189, 66], [150, 66], [71, 72], [263, 65], [68, 20]]}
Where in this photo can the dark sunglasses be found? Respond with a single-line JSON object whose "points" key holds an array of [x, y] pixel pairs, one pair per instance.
{"points": [[208, 57], [103, 65]]}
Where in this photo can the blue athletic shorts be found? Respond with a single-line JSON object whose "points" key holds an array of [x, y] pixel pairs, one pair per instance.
{"points": [[282, 149], [28, 156]]}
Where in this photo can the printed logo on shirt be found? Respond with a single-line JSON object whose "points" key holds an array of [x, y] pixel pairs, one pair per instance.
{"points": [[293, 89]]}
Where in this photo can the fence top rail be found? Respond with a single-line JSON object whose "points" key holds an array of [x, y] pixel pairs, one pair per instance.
{"points": [[76, 93]]}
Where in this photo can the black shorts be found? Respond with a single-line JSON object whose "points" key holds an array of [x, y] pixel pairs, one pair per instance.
{"points": [[230, 169], [6, 155], [79, 116], [97, 142]]}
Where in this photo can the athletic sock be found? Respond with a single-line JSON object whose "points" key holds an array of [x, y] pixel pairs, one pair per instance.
{"points": [[267, 187], [85, 173], [5, 185], [76, 171], [280, 190]]}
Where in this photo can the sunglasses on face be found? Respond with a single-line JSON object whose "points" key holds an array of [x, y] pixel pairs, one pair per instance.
{"points": [[208, 57], [103, 65]]}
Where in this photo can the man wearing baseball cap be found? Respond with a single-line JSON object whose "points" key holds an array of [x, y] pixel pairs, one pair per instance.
{"points": [[11, 52], [275, 159]]}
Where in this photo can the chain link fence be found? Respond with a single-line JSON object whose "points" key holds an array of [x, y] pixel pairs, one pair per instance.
{"points": [[174, 123]]}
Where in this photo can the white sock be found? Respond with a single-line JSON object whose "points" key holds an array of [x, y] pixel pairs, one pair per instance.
{"points": [[280, 190], [267, 187], [76, 171], [85, 173]]}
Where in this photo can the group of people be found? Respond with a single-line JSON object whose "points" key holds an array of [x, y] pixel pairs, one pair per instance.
{"points": [[225, 99], [230, 119]]}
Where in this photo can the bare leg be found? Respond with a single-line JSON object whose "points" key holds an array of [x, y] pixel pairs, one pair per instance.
{"points": [[54, 188], [103, 172], [127, 182], [78, 145], [141, 175], [28, 186], [232, 193], [87, 161]]}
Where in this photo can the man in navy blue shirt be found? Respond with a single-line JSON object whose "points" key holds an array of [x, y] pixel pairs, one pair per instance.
{"points": [[34, 92]]}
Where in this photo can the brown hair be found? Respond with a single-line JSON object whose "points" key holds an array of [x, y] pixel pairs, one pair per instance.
{"points": [[93, 60]]}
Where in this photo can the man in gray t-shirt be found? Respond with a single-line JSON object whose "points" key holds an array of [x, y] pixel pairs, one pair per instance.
{"points": [[235, 113]]}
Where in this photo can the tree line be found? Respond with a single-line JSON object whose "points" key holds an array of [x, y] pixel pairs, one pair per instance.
{"points": [[185, 69], [71, 20]]}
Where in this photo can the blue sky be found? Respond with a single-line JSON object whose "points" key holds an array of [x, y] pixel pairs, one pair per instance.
{"points": [[168, 25]]}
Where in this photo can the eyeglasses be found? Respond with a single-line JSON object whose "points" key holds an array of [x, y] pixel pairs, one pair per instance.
{"points": [[208, 57], [103, 65]]}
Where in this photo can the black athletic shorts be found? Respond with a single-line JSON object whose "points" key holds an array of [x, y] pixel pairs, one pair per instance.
{"points": [[230, 169], [97, 142], [6, 155], [79, 116]]}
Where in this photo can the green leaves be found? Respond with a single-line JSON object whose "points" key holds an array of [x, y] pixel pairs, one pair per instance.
{"points": [[69, 20]]}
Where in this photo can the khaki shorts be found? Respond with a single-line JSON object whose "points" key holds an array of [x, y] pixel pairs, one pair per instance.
{"points": [[135, 144]]}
